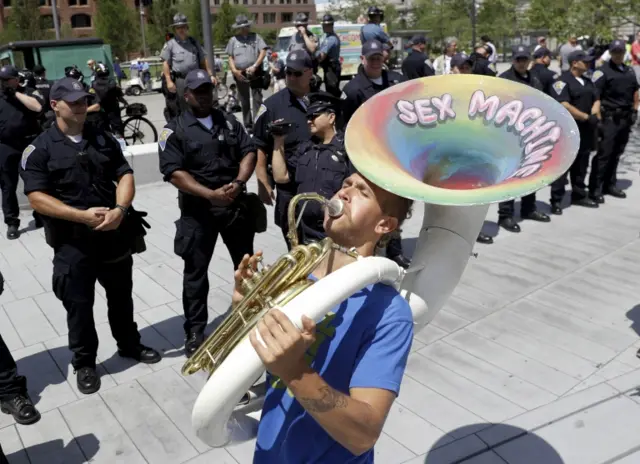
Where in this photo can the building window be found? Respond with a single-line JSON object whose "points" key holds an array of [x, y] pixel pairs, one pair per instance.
{"points": [[80, 20], [44, 3], [46, 22], [256, 17], [286, 17], [269, 18], [77, 2], [7, 3]]}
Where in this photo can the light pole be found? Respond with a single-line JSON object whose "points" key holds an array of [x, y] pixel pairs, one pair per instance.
{"points": [[144, 40], [205, 11], [56, 24], [473, 24]]}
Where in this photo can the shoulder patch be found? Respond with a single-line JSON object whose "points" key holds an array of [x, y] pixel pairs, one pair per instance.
{"points": [[556, 76], [558, 86], [36, 93], [92, 90], [343, 96], [164, 136], [25, 155], [229, 125], [597, 75], [262, 110]]}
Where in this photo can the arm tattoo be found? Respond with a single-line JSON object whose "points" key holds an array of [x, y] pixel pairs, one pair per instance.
{"points": [[329, 399]]}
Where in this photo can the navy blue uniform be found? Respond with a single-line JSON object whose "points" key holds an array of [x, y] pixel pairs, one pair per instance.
{"points": [[282, 105], [415, 66], [319, 168], [83, 175], [545, 76], [212, 157], [581, 95], [18, 127], [506, 209], [616, 86]]}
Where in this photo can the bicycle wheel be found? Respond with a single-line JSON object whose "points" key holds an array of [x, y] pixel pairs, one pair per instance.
{"points": [[139, 130], [222, 91]]}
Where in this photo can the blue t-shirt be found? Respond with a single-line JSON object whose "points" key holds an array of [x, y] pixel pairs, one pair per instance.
{"points": [[363, 343], [373, 31]]}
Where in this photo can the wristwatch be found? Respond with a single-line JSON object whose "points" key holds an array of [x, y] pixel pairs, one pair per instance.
{"points": [[241, 183], [124, 209]]}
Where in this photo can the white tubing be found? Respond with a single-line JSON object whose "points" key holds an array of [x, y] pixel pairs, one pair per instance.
{"points": [[214, 419]]}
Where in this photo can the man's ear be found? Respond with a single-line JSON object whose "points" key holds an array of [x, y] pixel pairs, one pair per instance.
{"points": [[386, 225]]}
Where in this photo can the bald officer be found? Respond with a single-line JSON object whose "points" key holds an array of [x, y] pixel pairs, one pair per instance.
{"points": [[181, 55]]}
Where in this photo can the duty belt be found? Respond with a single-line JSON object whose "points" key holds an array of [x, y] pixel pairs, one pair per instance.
{"points": [[616, 113], [178, 75]]}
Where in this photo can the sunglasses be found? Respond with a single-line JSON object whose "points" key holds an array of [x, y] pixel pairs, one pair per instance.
{"points": [[290, 72]]}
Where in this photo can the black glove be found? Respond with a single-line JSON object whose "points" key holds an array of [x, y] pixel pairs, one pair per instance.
{"points": [[279, 127], [593, 120], [634, 117]]}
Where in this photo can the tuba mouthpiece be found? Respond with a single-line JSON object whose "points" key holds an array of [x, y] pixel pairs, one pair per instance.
{"points": [[335, 207]]}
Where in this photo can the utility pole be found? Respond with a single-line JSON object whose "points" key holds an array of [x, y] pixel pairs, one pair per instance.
{"points": [[56, 23], [473, 24], [205, 11], [144, 40]]}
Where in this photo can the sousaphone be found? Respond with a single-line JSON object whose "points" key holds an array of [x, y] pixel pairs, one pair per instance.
{"points": [[457, 143]]}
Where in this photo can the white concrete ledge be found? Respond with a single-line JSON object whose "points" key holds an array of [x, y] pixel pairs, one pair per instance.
{"points": [[142, 158]]}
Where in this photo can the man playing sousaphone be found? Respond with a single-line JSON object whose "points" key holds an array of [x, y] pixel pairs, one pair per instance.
{"points": [[335, 381], [246, 52]]}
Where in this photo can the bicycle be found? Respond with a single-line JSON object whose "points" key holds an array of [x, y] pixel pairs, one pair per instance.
{"points": [[133, 133]]}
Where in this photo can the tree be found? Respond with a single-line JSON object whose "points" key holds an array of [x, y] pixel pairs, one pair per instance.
{"points": [[191, 9], [160, 17], [118, 25], [222, 28], [25, 21], [355, 10]]}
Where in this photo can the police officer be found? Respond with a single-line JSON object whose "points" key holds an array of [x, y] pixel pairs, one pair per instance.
{"points": [[181, 54], [207, 155], [20, 110], [43, 85], [94, 108], [618, 91], [373, 31], [480, 61], [518, 72], [303, 39], [246, 52], [110, 97], [70, 174], [371, 79], [580, 97], [319, 165], [540, 68], [461, 63], [286, 112], [14, 398], [329, 56], [415, 64]]}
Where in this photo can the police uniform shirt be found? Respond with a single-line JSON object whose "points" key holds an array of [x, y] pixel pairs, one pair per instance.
{"points": [[44, 87], [245, 49], [81, 174], [211, 156], [545, 76], [616, 85], [579, 93], [17, 122], [107, 93], [282, 105], [529, 79], [330, 46], [373, 31], [297, 41], [415, 66], [359, 89], [183, 56], [319, 168]]}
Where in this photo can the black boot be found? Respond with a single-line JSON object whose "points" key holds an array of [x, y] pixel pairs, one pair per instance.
{"points": [[142, 354], [88, 380], [394, 252], [193, 341], [556, 209], [509, 223], [22, 409], [484, 238]]}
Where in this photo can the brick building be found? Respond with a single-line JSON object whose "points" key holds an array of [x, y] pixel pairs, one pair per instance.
{"points": [[79, 14]]}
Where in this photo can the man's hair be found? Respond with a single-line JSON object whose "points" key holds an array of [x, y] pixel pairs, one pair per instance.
{"points": [[396, 206], [485, 38], [450, 41]]}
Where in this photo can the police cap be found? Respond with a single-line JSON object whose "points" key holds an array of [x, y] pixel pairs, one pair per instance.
{"points": [[327, 19], [520, 51], [68, 89], [541, 52], [196, 78], [299, 60], [617, 46], [9, 71], [372, 47], [418, 39], [579, 55], [459, 59], [39, 70], [321, 102]]}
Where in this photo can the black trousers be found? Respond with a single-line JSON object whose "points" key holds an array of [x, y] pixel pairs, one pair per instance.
{"points": [[3, 458], [615, 135], [76, 268], [506, 209], [175, 102], [9, 174], [11, 384], [578, 169], [332, 81], [195, 241]]}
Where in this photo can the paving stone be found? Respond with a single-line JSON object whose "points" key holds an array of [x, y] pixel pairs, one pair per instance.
{"points": [[28, 320], [12, 446]]}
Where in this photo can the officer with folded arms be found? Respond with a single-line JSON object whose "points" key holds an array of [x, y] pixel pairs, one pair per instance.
{"points": [[209, 157], [618, 91], [20, 111], [329, 56], [76, 177]]}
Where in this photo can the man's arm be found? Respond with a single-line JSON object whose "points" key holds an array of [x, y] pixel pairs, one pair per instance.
{"points": [[247, 153], [309, 41], [635, 101], [31, 103]]}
